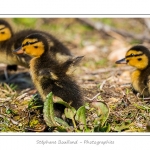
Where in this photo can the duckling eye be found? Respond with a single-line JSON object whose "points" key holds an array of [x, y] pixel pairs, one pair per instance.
{"points": [[139, 59], [27, 43], [2, 32], [35, 46], [132, 54], [127, 61]]}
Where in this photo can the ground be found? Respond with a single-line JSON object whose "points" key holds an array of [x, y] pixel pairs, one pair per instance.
{"points": [[97, 74]]}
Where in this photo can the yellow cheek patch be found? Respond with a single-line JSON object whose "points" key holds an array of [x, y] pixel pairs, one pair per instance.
{"points": [[137, 59], [5, 34], [35, 49]]}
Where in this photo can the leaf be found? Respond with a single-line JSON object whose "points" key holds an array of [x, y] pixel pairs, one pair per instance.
{"points": [[70, 113], [81, 117], [105, 128], [69, 110], [60, 101], [61, 122], [122, 127], [48, 111], [102, 111]]}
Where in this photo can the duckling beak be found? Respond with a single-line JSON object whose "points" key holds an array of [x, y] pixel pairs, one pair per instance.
{"points": [[18, 51], [121, 61]]}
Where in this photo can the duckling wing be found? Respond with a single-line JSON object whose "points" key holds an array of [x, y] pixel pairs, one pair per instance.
{"points": [[70, 64]]}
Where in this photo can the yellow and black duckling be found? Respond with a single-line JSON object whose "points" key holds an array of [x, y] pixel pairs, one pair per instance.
{"points": [[48, 74], [10, 41], [5, 30], [5, 34], [139, 57]]}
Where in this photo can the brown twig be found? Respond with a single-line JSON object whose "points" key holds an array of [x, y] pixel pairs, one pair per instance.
{"points": [[91, 99]]}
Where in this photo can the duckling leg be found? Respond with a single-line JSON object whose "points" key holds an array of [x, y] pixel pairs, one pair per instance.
{"points": [[9, 68], [6, 73], [12, 67]]}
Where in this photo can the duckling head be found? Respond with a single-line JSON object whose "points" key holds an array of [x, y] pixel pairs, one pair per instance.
{"points": [[34, 45], [137, 56], [5, 31]]}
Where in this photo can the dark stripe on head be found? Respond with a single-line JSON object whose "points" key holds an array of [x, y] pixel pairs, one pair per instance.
{"points": [[36, 36], [39, 38], [132, 55], [29, 43], [141, 48]]}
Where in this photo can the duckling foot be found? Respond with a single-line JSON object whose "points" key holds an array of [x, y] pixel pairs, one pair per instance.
{"points": [[143, 98], [9, 68], [12, 67], [6, 74]]}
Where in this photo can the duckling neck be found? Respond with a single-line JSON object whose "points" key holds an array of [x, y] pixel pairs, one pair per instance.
{"points": [[44, 61], [3, 44], [139, 80]]}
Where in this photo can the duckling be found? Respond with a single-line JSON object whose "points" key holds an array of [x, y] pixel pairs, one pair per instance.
{"points": [[10, 41], [5, 34], [139, 57], [5, 30], [48, 74]]}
